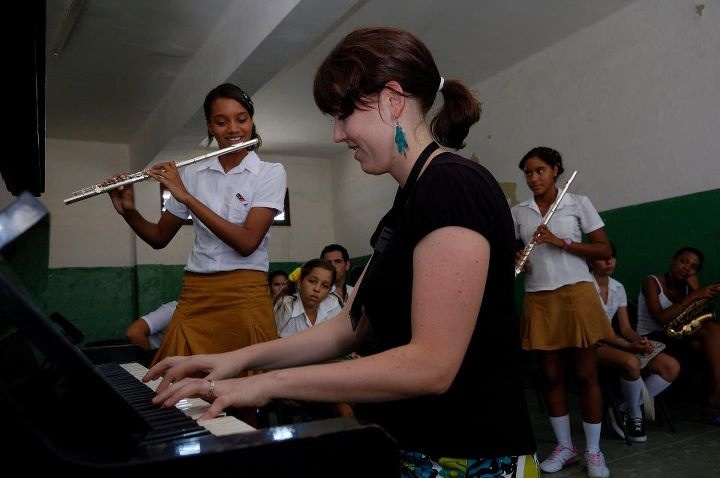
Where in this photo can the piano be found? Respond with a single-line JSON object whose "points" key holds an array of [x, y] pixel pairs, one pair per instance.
{"points": [[65, 411]]}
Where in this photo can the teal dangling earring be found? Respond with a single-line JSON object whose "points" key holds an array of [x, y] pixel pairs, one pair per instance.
{"points": [[400, 139]]}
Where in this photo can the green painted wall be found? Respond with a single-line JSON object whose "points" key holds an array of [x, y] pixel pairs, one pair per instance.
{"points": [[102, 301], [157, 284]]}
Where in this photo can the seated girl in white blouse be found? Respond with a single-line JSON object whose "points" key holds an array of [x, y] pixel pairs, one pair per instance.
{"points": [[631, 353], [307, 299]]}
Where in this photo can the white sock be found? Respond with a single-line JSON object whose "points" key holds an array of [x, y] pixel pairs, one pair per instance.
{"points": [[655, 384], [561, 427], [592, 436], [632, 391]]}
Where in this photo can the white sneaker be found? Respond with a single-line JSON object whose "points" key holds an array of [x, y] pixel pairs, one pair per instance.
{"points": [[559, 458], [596, 467]]}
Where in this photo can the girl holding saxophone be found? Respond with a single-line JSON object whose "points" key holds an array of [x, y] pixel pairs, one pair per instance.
{"points": [[666, 296]]}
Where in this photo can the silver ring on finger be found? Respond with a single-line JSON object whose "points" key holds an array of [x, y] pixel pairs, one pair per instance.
{"points": [[211, 390]]}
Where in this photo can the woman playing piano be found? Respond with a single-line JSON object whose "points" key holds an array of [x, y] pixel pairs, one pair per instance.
{"points": [[434, 311]]}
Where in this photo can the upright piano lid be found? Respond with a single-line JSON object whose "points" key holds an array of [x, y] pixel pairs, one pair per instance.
{"points": [[25, 243], [25, 330], [20, 216]]}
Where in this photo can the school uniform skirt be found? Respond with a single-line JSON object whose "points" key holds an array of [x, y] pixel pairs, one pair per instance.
{"points": [[567, 317], [219, 312]]}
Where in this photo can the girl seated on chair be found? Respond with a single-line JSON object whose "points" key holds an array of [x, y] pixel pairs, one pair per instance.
{"points": [[629, 352], [666, 296], [305, 301]]}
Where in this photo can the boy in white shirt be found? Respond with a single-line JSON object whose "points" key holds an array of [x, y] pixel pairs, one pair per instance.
{"points": [[338, 256], [147, 331]]}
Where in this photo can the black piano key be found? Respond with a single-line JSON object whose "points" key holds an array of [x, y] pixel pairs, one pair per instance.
{"points": [[165, 423]]}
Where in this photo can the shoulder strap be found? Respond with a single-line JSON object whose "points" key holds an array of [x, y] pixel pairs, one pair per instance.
{"points": [[380, 241], [662, 291]]}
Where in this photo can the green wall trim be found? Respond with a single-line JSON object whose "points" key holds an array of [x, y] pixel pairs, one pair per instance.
{"points": [[288, 267], [103, 301], [98, 300], [157, 284]]}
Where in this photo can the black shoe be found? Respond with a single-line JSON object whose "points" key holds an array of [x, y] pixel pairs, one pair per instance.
{"points": [[636, 429], [618, 427]]}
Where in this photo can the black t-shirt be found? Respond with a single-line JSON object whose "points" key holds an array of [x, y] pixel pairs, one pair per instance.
{"points": [[484, 413]]}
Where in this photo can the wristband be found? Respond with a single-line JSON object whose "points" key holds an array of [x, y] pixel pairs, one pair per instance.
{"points": [[566, 244]]}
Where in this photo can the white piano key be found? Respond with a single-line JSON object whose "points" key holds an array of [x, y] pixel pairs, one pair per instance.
{"points": [[226, 425], [194, 407]]}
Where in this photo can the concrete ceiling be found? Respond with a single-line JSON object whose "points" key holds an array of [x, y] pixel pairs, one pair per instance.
{"points": [[137, 71]]}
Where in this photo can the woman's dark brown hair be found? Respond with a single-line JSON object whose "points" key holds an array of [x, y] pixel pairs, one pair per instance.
{"points": [[367, 59]]}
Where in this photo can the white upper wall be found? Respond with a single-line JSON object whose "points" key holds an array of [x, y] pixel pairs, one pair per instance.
{"points": [[311, 210], [632, 103], [5, 197], [87, 233], [360, 201]]}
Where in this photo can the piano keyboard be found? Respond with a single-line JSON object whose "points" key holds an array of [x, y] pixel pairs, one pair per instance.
{"points": [[182, 422]]}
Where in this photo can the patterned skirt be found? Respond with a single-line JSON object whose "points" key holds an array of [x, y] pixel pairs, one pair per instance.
{"points": [[418, 465]]}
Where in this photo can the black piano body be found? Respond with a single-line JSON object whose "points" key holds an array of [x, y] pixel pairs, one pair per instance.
{"points": [[64, 414]]}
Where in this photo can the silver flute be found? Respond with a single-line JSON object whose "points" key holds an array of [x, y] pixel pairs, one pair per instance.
{"points": [[545, 220], [142, 175]]}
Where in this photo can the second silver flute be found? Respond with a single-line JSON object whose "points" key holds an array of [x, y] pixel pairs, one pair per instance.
{"points": [[545, 220], [142, 175]]}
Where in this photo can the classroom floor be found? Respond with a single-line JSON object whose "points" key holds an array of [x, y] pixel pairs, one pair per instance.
{"points": [[693, 451]]}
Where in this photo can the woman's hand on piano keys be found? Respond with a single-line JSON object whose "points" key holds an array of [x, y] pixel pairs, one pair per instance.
{"points": [[173, 369], [234, 392]]}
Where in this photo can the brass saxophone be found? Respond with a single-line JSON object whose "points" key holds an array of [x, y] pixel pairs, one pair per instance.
{"points": [[690, 319]]}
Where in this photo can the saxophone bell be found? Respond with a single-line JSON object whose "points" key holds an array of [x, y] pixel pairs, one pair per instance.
{"points": [[691, 318]]}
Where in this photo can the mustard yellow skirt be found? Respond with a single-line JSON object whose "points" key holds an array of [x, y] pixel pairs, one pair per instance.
{"points": [[219, 312], [567, 317]]}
